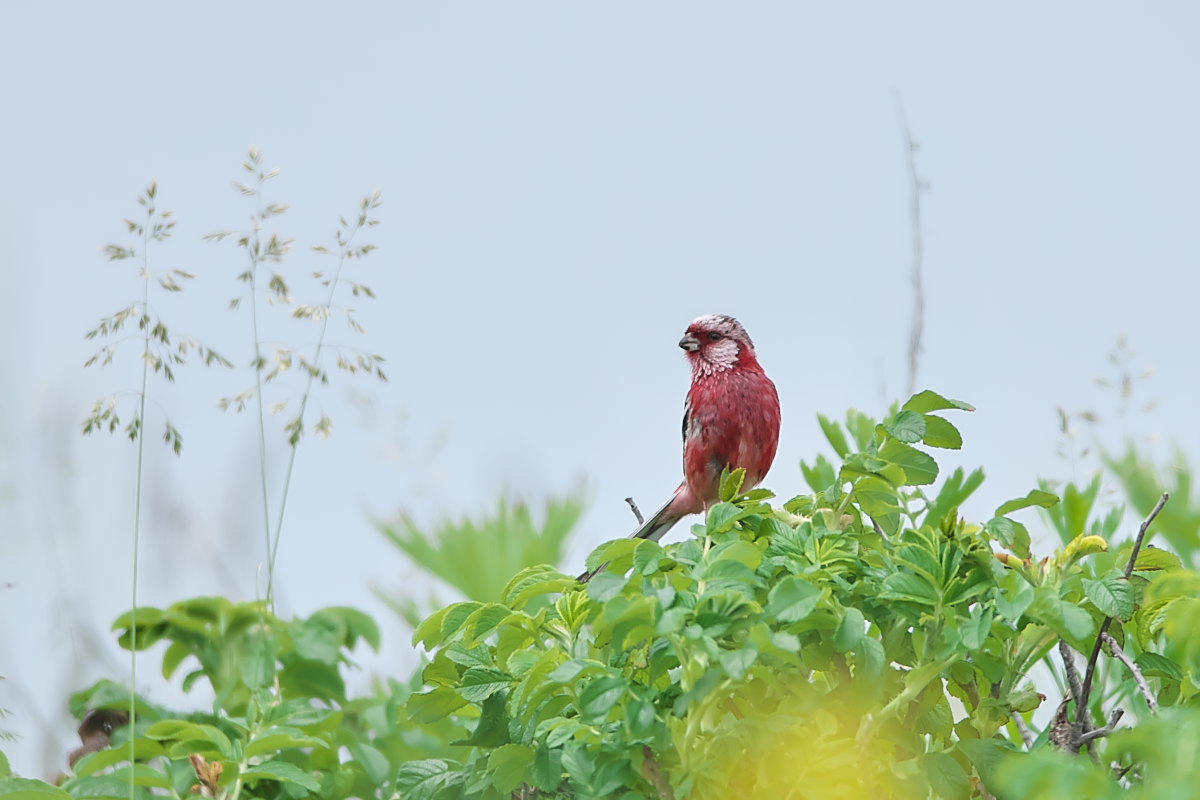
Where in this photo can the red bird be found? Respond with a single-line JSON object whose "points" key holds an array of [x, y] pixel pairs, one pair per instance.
{"points": [[730, 419]]}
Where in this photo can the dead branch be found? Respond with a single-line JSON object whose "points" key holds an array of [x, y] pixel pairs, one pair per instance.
{"points": [[1133, 668]]}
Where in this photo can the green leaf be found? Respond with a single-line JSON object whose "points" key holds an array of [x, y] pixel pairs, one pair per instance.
{"points": [[850, 631], [277, 738], [510, 765], [193, 734], [258, 653], [533, 581], [947, 778], [877, 499], [910, 588], [605, 586], [1066, 619], [429, 632], [492, 729], [434, 705], [372, 761], [547, 768], [731, 484], [30, 789], [482, 622], [456, 616], [1011, 534], [926, 401], [834, 434], [939, 432], [1035, 498], [919, 468], [1015, 598], [738, 662], [907, 426], [599, 696], [480, 683], [792, 599], [282, 771], [1111, 594], [1154, 558], [1157, 666], [976, 627], [424, 779], [869, 658], [357, 624]]}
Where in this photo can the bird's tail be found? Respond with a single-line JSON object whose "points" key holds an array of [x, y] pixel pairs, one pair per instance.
{"points": [[663, 520], [653, 529]]}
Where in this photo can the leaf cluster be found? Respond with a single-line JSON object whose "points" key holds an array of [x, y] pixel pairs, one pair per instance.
{"points": [[861, 641]]}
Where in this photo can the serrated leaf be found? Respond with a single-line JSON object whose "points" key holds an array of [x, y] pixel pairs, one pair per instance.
{"points": [[480, 683], [907, 426], [1111, 594], [424, 779], [939, 432], [910, 588], [919, 468]]}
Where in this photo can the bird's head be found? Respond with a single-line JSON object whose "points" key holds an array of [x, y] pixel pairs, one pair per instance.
{"points": [[715, 343]]}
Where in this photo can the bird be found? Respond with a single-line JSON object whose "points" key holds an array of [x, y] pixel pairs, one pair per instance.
{"points": [[730, 420]]}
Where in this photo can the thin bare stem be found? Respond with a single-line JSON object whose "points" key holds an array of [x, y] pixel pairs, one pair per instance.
{"points": [[1081, 712], [273, 546], [254, 249], [1068, 658], [137, 497], [1133, 668], [1026, 735], [637, 512], [916, 186], [1100, 732]]}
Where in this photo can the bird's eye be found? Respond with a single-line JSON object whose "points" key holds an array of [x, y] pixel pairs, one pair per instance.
{"points": [[716, 337]]}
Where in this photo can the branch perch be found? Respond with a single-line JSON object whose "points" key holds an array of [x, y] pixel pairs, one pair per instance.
{"points": [[1133, 668], [1082, 715]]}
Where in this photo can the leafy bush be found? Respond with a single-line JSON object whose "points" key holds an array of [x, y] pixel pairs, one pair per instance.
{"points": [[860, 641], [863, 640]]}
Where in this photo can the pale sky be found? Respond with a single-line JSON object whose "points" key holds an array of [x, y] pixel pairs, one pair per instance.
{"points": [[566, 186]]}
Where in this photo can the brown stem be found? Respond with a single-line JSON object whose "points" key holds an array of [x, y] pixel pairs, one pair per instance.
{"points": [[1082, 715]]}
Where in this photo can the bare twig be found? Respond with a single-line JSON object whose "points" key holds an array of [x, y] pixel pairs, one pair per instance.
{"points": [[1068, 658], [1026, 735], [877, 528], [917, 185], [1133, 668], [1099, 732], [1081, 711], [637, 512]]}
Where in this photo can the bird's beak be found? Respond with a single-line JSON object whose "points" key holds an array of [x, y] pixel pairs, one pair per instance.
{"points": [[689, 343]]}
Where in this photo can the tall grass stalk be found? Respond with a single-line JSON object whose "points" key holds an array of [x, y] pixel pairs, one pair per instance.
{"points": [[346, 251]]}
